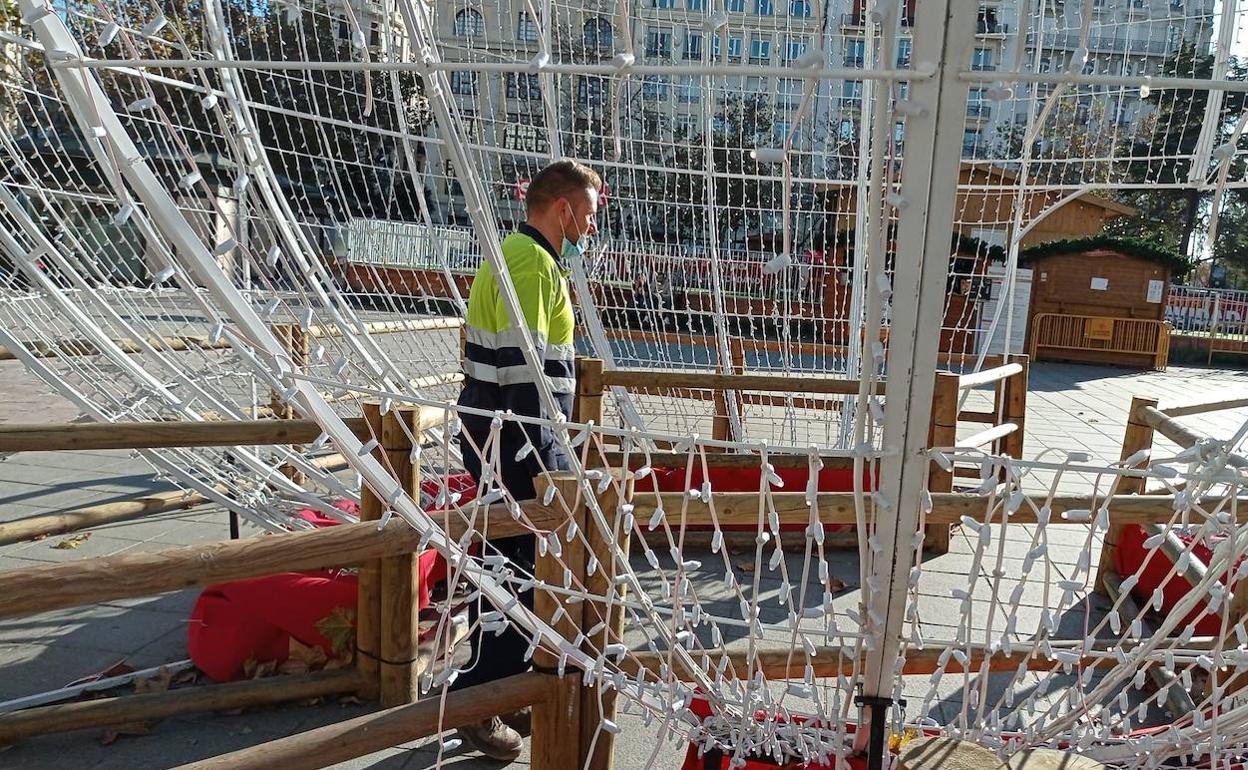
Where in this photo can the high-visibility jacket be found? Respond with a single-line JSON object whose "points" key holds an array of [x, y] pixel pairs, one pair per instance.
{"points": [[496, 375]]}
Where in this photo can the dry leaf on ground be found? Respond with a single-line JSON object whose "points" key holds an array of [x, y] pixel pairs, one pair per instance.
{"points": [[74, 541], [109, 737]]}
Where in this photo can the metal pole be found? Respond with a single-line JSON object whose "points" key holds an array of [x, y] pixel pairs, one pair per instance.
{"points": [[943, 39]]}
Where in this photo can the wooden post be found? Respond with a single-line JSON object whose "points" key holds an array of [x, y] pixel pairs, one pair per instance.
{"points": [[1015, 392], [589, 391], [557, 721], [721, 421], [943, 433], [368, 593], [400, 626], [1139, 435], [602, 583], [297, 345]]}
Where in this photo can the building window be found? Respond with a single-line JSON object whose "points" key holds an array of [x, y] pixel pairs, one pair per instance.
{"points": [[794, 47], [524, 137], [735, 6], [523, 85], [1174, 37], [734, 48], [855, 52], [976, 106], [800, 8], [655, 86], [469, 23], [693, 45], [760, 50], [904, 46], [463, 83], [764, 7], [755, 85], [689, 88], [970, 142], [982, 59], [987, 22], [659, 44], [686, 125], [526, 28], [598, 35], [899, 135], [591, 91], [847, 131], [780, 132], [664, 3], [790, 92], [1046, 64], [851, 94], [693, 5]]}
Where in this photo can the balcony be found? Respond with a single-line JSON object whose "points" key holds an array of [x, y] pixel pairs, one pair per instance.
{"points": [[1102, 44], [853, 61], [987, 28], [858, 21]]}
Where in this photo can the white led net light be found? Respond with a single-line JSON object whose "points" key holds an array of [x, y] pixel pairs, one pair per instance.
{"points": [[327, 169]]}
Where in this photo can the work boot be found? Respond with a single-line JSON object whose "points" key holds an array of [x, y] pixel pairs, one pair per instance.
{"points": [[493, 739], [521, 721]]}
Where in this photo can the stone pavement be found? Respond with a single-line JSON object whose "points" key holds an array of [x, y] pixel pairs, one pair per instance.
{"points": [[1070, 407]]}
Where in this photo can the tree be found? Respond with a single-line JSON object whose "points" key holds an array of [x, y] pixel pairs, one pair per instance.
{"points": [[330, 135], [1164, 153]]}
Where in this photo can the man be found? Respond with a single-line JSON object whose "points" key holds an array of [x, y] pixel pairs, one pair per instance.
{"points": [[561, 207]]}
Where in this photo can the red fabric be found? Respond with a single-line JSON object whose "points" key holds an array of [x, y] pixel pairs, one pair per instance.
{"points": [[232, 622], [1131, 554], [750, 480]]}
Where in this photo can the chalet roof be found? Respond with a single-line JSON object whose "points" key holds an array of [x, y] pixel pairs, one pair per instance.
{"points": [[1131, 247]]}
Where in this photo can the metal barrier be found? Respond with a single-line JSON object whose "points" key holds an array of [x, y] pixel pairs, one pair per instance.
{"points": [[1113, 337]]}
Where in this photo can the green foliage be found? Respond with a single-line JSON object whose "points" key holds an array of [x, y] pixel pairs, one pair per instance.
{"points": [[1162, 154], [1133, 247], [331, 136]]}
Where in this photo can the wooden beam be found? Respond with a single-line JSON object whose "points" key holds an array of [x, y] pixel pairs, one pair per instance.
{"points": [[108, 513], [970, 415], [1213, 406], [83, 347], [95, 515], [784, 663], [161, 434], [724, 460], [738, 508], [943, 432], [389, 327], [599, 703], [1015, 407], [556, 740], [400, 609], [779, 383], [57, 586], [1177, 698], [81, 715], [1179, 433], [368, 586], [363, 735]]}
